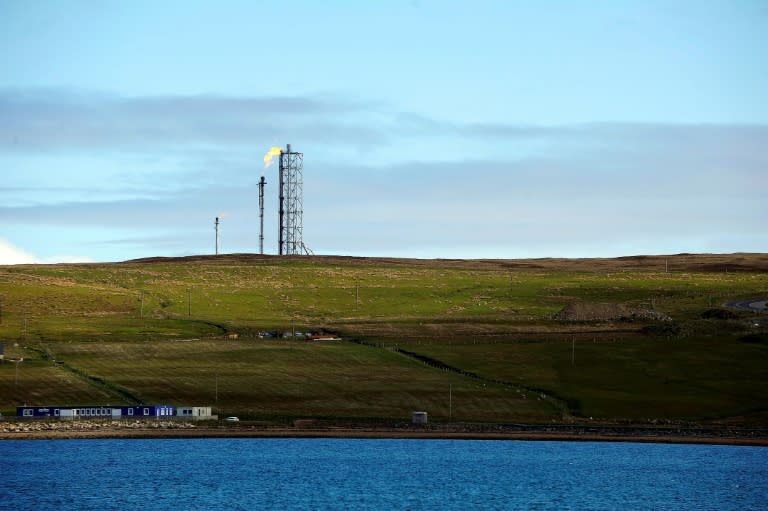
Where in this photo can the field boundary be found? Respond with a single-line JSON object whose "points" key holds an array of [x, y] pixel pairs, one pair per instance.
{"points": [[558, 402], [95, 381]]}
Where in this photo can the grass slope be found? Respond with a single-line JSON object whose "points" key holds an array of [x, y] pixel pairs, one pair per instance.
{"points": [[473, 340]]}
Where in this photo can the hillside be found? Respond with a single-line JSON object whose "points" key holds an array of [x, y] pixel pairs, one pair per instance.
{"points": [[465, 340]]}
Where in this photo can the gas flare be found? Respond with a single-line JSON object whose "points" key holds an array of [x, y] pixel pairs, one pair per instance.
{"points": [[273, 151]]}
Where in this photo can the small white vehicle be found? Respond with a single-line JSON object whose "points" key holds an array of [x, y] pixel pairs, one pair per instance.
{"points": [[233, 419]]}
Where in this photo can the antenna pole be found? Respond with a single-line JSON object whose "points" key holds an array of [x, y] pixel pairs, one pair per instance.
{"points": [[216, 227]]}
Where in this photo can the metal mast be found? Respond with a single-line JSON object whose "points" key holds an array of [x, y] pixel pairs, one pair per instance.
{"points": [[291, 212], [262, 182], [216, 227]]}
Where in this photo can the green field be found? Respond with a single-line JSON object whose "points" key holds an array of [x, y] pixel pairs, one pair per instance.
{"points": [[462, 340]]}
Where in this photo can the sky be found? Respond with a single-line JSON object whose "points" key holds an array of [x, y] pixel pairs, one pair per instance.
{"points": [[429, 129]]}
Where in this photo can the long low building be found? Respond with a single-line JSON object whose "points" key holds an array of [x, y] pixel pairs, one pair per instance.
{"points": [[96, 411]]}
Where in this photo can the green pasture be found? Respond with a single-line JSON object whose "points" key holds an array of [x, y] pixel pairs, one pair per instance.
{"points": [[630, 376], [156, 332], [271, 378]]}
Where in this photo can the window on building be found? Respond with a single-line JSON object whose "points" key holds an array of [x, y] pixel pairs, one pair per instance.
{"points": [[130, 411], [146, 411], [28, 413]]}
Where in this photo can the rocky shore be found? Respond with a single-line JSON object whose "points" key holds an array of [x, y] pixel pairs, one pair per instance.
{"points": [[8, 429], [25, 430]]}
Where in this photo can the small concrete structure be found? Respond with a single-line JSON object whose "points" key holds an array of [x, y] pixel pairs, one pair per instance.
{"points": [[419, 417]]}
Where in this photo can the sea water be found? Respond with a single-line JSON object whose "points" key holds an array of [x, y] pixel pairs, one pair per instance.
{"points": [[317, 474]]}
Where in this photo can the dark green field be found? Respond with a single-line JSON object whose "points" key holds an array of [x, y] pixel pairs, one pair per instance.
{"points": [[462, 340]]}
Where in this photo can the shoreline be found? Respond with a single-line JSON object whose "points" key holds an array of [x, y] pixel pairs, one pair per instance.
{"points": [[734, 437]]}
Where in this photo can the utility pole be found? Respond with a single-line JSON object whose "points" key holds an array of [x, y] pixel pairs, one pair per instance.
{"points": [[189, 302], [16, 381], [573, 350]]}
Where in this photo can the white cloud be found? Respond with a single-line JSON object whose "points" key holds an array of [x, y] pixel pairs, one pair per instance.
{"points": [[10, 254]]}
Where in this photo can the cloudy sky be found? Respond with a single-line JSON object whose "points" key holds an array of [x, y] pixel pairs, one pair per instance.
{"points": [[429, 129]]}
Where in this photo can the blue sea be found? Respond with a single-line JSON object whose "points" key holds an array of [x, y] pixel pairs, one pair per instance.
{"points": [[318, 474]]}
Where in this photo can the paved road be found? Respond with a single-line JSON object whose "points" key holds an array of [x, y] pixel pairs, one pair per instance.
{"points": [[759, 305]]}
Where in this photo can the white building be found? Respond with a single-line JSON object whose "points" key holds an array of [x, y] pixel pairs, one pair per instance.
{"points": [[196, 413]]}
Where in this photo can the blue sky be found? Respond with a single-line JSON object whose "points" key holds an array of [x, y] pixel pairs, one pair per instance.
{"points": [[429, 129]]}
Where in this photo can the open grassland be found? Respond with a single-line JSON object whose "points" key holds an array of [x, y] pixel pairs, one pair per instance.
{"points": [[628, 376], [463, 340]]}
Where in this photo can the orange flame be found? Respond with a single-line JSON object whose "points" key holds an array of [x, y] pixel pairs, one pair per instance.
{"points": [[273, 151]]}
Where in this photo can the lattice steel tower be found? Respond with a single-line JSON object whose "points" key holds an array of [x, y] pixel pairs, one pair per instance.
{"points": [[291, 213]]}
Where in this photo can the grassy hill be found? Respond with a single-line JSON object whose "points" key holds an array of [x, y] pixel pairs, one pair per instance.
{"points": [[463, 340]]}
